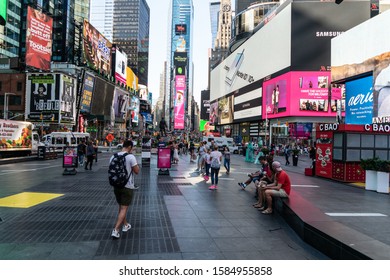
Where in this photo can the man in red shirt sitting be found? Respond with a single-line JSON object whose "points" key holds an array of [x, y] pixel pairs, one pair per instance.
{"points": [[281, 187]]}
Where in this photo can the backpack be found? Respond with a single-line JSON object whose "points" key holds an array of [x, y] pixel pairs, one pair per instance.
{"points": [[215, 163], [117, 172]]}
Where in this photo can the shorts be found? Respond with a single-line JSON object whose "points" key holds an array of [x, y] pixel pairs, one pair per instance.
{"points": [[123, 196], [254, 179], [278, 193]]}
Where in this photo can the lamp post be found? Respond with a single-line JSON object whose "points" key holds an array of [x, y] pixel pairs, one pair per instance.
{"points": [[6, 104]]}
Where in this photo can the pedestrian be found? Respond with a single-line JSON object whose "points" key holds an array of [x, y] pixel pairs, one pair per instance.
{"points": [[216, 158], [163, 126], [90, 153], [207, 163], [81, 151], [281, 187], [287, 152], [226, 161], [95, 147], [124, 195]]}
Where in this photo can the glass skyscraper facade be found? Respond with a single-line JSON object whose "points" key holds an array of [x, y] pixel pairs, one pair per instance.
{"points": [[101, 17], [10, 33], [131, 25], [214, 11], [181, 13]]}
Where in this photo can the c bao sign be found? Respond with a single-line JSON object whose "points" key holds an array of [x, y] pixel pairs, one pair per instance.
{"points": [[110, 137]]}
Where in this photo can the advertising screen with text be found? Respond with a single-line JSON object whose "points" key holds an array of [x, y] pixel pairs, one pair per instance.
{"points": [[180, 85], [38, 39]]}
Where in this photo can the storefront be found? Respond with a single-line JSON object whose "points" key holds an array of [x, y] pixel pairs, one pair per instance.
{"points": [[339, 149]]}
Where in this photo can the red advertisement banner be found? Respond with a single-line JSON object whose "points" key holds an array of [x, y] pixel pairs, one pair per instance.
{"points": [[38, 39]]}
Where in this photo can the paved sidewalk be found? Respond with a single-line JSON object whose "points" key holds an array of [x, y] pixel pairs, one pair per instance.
{"points": [[177, 217]]}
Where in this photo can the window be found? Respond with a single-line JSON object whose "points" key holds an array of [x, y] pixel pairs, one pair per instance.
{"points": [[19, 86]]}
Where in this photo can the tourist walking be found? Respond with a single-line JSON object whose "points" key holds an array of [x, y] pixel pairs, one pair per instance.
{"points": [[226, 161], [90, 153], [215, 165], [124, 195]]}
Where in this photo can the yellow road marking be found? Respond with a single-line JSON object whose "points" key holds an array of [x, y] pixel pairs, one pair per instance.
{"points": [[27, 199]]}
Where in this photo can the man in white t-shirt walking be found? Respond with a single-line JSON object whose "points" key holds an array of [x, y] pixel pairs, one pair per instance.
{"points": [[125, 195]]}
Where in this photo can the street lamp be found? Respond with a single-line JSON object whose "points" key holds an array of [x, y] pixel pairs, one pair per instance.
{"points": [[6, 104]]}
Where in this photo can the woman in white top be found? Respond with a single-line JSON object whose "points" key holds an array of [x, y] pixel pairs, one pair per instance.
{"points": [[215, 159]]}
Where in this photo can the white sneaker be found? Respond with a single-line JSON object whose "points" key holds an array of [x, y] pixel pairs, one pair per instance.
{"points": [[126, 227], [115, 233]]}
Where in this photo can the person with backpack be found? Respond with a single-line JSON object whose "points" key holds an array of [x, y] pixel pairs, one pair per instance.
{"points": [[215, 158], [123, 166], [163, 126]]}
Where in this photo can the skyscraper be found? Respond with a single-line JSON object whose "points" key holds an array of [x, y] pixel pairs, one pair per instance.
{"points": [[214, 15], [222, 39], [131, 22], [101, 17], [243, 4], [9, 33], [180, 44]]}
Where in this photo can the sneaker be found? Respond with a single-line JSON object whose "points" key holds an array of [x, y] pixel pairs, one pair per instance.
{"points": [[126, 227], [212, 187], [243, 186], [215, 187], [115, 233], [206, 178]]}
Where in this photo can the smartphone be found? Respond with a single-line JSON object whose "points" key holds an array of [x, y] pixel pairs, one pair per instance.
{"points": [[231, 75]]}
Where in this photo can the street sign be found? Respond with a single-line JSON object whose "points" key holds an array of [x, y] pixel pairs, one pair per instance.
{"points": [[110, 137]]}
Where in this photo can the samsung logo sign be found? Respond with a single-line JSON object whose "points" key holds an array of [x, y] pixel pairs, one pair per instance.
{"points": [[328, 33]]}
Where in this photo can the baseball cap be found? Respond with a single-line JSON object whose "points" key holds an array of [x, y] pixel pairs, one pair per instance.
{"points": [[276, 166]]}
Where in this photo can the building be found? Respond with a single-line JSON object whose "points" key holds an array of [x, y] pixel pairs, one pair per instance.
{"points": [[179, 62], [10, 32], [214, 15], [277, 87], [222, 39], [102, 17], [131, 24]]}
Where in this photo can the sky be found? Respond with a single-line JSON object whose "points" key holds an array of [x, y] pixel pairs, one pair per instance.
{"points": [[158, 44]]}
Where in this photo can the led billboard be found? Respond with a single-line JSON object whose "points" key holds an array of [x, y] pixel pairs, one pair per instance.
{"points": [[86, 99], [68, 99], [359, 99], [38, 39], [132, 79], [297, 94], [42, 99], [121, 103], [120, 65], [180, 29], [179, 115], [96, 49]]}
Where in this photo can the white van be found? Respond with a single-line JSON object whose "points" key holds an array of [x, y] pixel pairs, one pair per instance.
{"points": [[222, 142], [58, 140]]}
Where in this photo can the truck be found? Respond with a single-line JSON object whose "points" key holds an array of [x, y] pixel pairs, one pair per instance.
{"points": [[17, 139]]}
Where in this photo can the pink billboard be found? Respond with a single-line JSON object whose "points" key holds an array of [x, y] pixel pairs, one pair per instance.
{"points": [[180, 86], [297, 94]]}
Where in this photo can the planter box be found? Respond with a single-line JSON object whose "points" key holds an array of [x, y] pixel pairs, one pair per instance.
{"points": [[382, 182], [371, 180]]}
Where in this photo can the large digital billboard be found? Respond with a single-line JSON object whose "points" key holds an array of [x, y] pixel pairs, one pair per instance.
{"points": [[134, 108], [121, 103], [120, 66], [180, 89], [87, 91], [359, 101], [96, 49], [297, 94], [102, 98], [42, 99], [68, 99], [132, 79], [38, 39]]}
